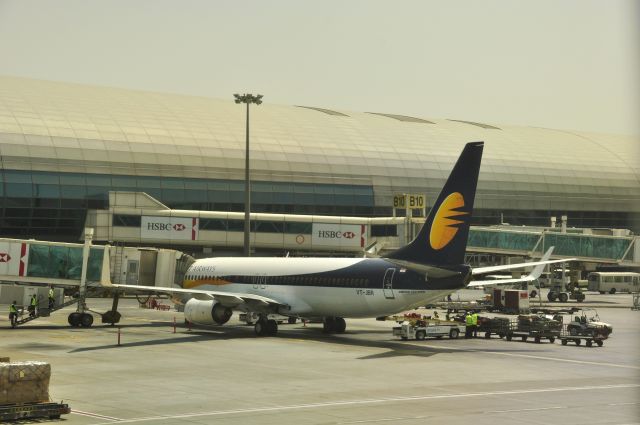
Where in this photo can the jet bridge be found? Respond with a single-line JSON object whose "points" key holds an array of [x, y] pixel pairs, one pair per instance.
{"points": [[30, 266], [573, 243]]}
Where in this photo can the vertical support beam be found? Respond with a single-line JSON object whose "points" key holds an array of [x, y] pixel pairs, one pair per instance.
{"points": [[247, 195], [88, 237]]}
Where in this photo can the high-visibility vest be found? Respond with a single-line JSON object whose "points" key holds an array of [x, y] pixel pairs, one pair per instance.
{"points": [[469, 320], [13, 309], [474, 319], [34, 301], [50, 293]]}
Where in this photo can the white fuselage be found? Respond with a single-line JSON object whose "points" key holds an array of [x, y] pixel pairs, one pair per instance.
{"points": [[316, 287]]}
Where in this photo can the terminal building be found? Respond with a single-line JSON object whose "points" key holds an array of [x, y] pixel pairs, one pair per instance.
{"points": [[129, 163]]}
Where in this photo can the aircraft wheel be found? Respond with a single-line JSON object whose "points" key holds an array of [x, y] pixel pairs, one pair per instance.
{"points": [[260, 327], [74, 319], [564, 342], [339, 325], [86, 320], [329, 325], [272, 327], [600, 343]]}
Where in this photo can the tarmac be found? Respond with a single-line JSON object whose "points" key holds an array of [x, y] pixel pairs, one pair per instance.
{"points": [[224, 375]]}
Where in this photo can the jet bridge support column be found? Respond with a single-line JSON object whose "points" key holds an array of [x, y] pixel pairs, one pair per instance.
{"points": [[81, 317]]}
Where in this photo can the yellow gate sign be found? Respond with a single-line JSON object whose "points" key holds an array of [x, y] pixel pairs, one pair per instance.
{"points": [[410, 201]]}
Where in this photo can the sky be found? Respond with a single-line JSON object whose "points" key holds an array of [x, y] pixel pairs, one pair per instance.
{"points": [[565, 64]]}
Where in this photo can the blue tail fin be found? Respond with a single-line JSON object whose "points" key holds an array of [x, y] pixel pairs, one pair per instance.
{"points": [[443, 237]]}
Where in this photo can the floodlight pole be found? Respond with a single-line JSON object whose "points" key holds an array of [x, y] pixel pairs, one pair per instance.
{"points": [[247, 99]]}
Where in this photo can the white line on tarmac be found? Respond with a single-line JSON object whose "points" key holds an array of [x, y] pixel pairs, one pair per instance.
{"points": [[527, 410], [367, 421], [94, 415], [367, 401], [530, 356]]}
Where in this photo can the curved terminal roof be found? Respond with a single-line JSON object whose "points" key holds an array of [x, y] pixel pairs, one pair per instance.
{"points": [[52, 126]]}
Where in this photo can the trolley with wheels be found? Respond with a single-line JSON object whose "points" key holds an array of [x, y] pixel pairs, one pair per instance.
{"points": [[28, 411], [591, 332], [493, 326], [535, 327]]}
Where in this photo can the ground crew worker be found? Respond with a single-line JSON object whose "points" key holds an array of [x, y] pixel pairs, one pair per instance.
{"points": [[474, 319], [469, 328], [13, 314], [52, 298], [33, 305]]}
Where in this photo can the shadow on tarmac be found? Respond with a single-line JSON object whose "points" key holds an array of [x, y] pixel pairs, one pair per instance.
{"points": [[395, 348]]}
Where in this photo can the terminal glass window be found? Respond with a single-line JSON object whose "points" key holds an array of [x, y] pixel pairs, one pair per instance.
{"points": [[381, 230], [126, 220]]}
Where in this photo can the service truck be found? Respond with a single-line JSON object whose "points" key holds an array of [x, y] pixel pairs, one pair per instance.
{"points": [[420, 329]]}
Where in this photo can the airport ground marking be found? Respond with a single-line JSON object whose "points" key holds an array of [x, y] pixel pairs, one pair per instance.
{"points": [[531, 356], [95, 415], [368, 401], [533, 409]]}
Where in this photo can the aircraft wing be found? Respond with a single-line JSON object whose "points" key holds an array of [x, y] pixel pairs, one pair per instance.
{"points": [[527, 278], [537, 271], [485, 270], [227, 299], [543, 261]]}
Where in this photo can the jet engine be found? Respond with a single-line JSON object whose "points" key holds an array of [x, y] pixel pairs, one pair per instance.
{"points": [[206, 312]]}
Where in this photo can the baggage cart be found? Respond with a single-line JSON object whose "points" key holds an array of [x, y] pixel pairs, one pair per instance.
{"points": [[534, 326], [22, 411], [493, 326]]}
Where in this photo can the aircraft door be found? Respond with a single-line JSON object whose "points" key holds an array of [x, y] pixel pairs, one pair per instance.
{"points": [[387, 283], [132, 272]]}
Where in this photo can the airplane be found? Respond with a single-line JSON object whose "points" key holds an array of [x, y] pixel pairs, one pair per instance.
{"points": [[332, 289]]}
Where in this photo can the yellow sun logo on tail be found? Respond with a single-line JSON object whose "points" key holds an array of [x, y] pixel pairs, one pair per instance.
{"points": [[445, 225]]}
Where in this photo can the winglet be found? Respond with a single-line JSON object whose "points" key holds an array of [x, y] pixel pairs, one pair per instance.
{"points": [[537, 270]]}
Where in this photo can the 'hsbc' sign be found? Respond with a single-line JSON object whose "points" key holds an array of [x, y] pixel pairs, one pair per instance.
{"points": [[174, 228], [339, 235]]}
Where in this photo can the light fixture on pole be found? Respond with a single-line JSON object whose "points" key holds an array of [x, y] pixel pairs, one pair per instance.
{"points": [[247, 99]]}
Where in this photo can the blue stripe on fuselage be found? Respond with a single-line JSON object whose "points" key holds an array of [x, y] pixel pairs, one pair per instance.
{"points": [[368, 274]]}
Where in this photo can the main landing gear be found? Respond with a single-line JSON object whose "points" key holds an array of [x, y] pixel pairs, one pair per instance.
{"points": [[332, 325], [266, 327], [80, 319]]}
